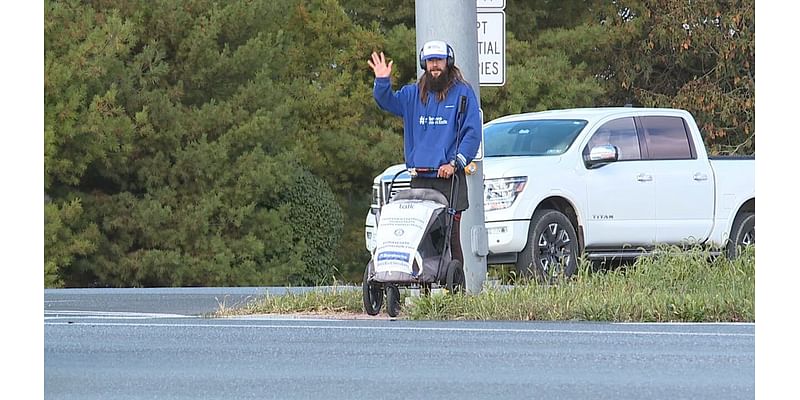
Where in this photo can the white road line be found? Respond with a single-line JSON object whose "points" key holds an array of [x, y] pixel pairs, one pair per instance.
{"points": [[68, 314], [688, 323], [409, 328]]}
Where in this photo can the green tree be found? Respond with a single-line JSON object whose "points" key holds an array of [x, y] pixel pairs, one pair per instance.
{"points": [[67, 236], [697, 55], [159, 119], [211, 142]]}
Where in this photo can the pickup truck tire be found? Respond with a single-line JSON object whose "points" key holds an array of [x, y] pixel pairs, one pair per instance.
{"points": [[743, 233], [552, 249]]}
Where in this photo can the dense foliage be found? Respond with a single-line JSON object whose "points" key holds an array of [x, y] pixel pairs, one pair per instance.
{"points": [[210, 142]]}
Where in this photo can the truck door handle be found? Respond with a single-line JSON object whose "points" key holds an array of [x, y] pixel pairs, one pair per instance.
{"points": [[700, 177], [644, 178]]}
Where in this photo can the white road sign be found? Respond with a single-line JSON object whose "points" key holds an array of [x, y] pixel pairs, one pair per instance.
{"points": [[492, 48], [501, 4]]}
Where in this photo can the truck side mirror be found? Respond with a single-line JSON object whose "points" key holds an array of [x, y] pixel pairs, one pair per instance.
{"points": [[601, 155]]}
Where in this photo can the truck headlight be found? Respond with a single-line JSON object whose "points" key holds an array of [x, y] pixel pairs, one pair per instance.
{"points": [[376, 196], [501, 193]]}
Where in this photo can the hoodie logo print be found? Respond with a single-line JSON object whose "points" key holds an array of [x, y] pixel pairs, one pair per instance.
{"points": [[431, 120]]}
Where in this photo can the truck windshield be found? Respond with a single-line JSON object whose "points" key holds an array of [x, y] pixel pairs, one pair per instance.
{"points": [[541, 137]]}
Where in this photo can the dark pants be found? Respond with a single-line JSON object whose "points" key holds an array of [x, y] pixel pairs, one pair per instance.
{"points": [[455, 239], [462, 203], [444, 187]]}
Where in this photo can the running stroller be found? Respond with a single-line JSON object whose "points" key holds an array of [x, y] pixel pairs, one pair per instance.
{"points": [[413, 248]]}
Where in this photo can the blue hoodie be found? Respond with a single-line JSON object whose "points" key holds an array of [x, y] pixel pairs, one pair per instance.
{"points": [[429, 130]]}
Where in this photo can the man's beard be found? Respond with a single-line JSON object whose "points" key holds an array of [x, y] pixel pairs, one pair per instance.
{"points": [[438, 84]]}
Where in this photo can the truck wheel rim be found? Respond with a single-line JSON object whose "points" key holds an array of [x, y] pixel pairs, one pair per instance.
{"points": [[554, 252], [749, 237]]}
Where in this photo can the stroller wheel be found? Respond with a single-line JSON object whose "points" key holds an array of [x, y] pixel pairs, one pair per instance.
{"points": [[373, 295], [455, 277], [392, 300]]}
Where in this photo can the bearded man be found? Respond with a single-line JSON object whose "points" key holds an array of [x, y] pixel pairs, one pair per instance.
{"points": [[441, 124]]}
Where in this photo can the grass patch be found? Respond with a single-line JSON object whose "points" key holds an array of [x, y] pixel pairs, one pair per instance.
{"points": [[672, 285], [336, 299]]}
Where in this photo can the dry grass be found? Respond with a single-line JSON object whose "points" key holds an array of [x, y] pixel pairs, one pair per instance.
{"points": [[674, 285]]}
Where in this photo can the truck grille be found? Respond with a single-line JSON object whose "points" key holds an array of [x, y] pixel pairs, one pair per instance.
{"points": [[398, 186]]}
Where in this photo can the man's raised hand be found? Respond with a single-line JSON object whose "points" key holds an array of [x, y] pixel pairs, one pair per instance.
{"points": [[379, 66]]}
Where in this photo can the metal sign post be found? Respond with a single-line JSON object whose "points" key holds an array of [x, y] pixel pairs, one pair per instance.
{"points": [[454, 21]]}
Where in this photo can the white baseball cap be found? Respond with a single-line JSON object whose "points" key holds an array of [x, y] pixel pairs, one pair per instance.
{"points": [[434, 49]]}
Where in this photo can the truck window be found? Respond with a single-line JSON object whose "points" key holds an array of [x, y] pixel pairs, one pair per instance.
{"points": [[621, 133], [666, 138], [537, 137]]}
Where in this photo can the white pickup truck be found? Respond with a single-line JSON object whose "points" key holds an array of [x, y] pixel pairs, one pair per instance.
{"points": [[602, 183]]}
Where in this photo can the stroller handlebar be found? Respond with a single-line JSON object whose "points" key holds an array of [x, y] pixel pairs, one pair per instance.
{"points": [[414, 171]]}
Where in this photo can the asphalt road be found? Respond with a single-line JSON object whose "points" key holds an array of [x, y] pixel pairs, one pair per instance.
{"points": [[183, 301], [96, 347]]}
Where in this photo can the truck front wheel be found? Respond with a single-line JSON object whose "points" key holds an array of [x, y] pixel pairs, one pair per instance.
{"points": [[743, 233], [552, 249]]}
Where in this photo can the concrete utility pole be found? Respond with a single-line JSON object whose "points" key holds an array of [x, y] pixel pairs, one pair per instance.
{"points": [[455, 21]]}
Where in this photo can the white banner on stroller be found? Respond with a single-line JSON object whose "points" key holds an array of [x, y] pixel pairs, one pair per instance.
{"points": [[400, 230]]}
